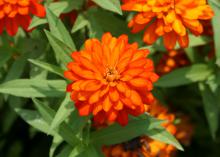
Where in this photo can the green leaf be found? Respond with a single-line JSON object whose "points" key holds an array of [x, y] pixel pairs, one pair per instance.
{"points": [[163, 135], [112, 5], [116, 134], [74, 5], [215, 24], [62, 51], [184, 76], [77, 122], [80, 22], [198, 41], [34, 119], [49, 67], [57, 140], [210, 107], [64, 130], [77, 150], [34, 88], [99, 23], [90, 151], [64, 111], [59, 31]]}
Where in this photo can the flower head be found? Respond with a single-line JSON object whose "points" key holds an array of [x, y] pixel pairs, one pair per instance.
{"points": [[111, 79], [15, 13], [169, 19]]}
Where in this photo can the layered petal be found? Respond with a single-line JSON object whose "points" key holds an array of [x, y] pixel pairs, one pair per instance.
{"points": [[107, 79], [17, 13], [168, 18]]}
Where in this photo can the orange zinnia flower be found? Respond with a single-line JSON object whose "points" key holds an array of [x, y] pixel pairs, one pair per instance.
{"points": [[15, 13], [111, 79], [168, 18]]}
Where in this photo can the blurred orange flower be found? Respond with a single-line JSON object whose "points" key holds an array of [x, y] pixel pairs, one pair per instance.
{"points": [[171, 61], [16, 13], [168, 18], [111, 79]]}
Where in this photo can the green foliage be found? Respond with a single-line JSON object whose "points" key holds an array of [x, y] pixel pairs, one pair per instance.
{"points": [[112, 5], [186, 75], [33, 87]]}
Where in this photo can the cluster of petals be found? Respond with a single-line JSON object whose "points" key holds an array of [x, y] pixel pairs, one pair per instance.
{"points": [[111, 79], [172, 60], [170, 19], [147, 147], [17, 13]]}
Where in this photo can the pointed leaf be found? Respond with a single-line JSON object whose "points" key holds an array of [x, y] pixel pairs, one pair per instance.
{"points": [[63, 112], [62, 51], [184, 76], [112, 5], [116, 134], [49, 67], [210, 107], [59, 31], [64, 130], [163, 135], [34, 88]]}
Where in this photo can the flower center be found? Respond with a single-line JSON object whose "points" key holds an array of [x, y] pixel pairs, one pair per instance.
{"points": [[111, 75]]}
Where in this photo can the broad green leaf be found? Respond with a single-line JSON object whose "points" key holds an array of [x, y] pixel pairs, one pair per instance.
{"points": [[116, 134], [163, 135], [215, 23], [64, 111], [210, 107], [112, 5], [62, 51], [184, 76], [59, 31], [80, 23], [99, 23], [34, 119], [64, 130], [49, 67], [90, 151], [34, 88]]}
